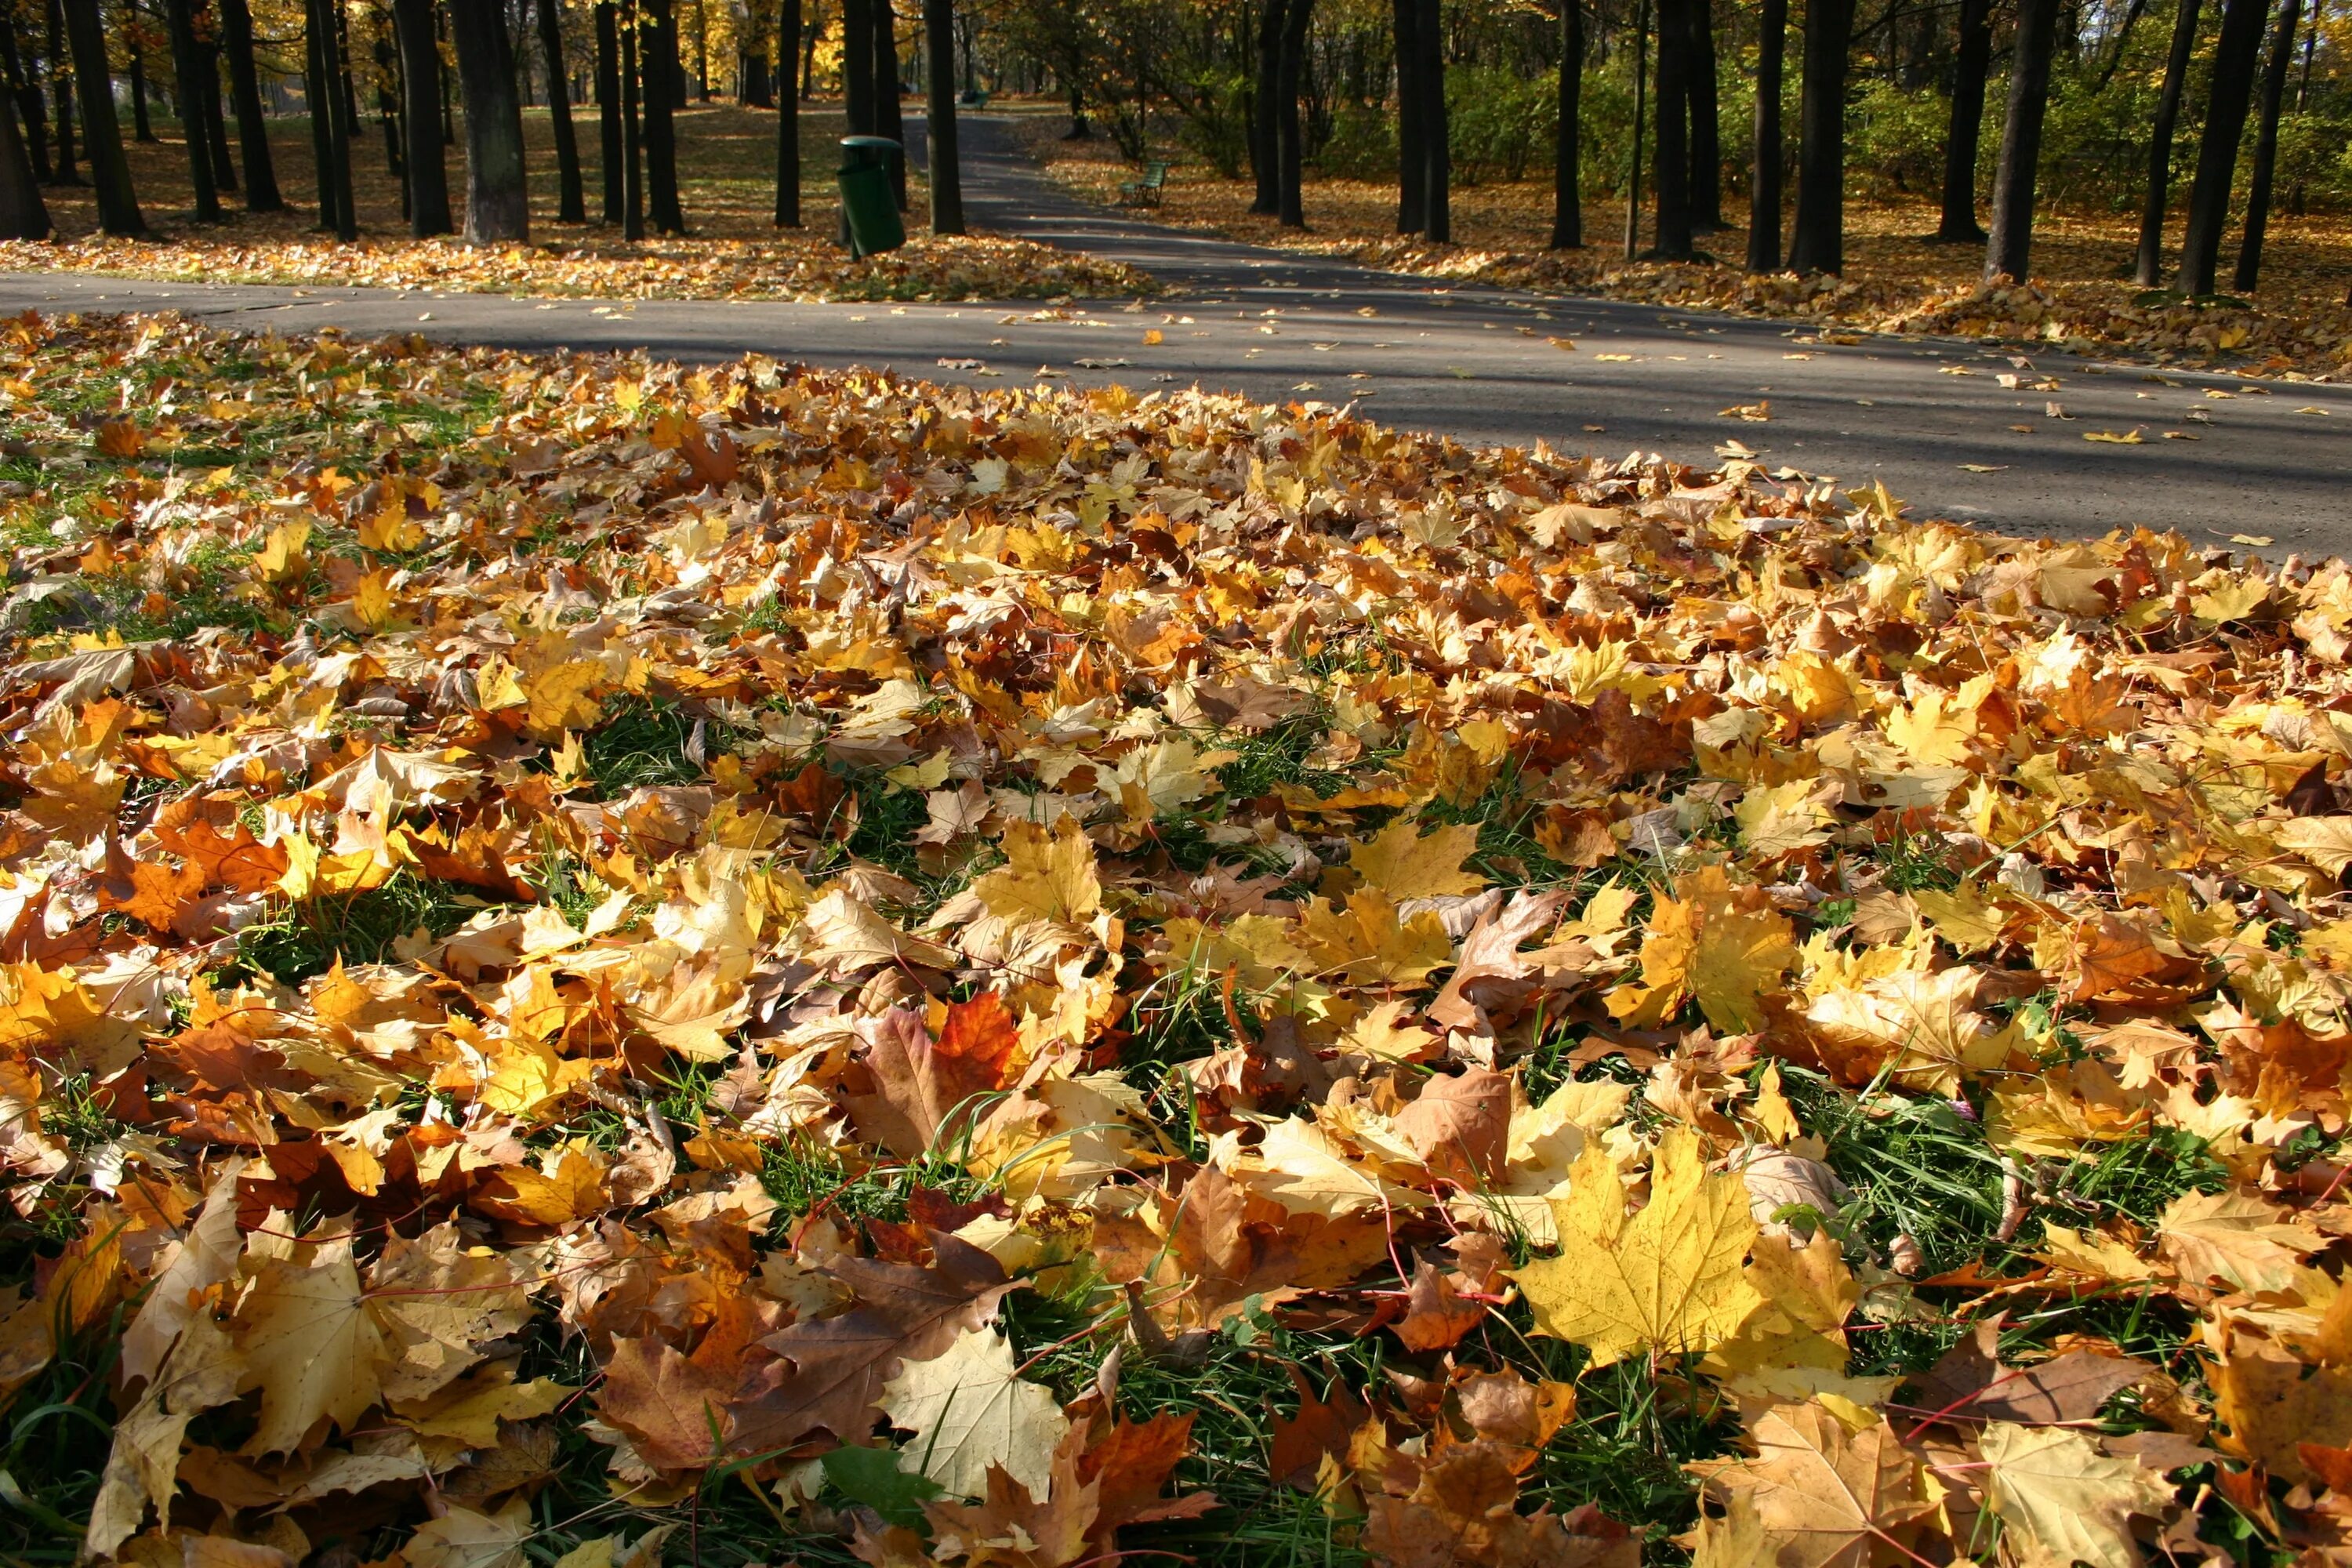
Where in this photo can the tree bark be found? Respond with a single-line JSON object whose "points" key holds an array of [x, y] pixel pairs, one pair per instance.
{"points": [[947, 172], [420, 89], [571, 202], [63, 85], [261, 192], [1289, 81], [498, 201], [2147, 268], [208, 64], [2258, 189], [1818, 241], [1672, 234], [2009, 251], [610, 153], [1265, 109], [857, 65], [1412, 150], [25, 85], [24, 214], [887, 118], [788, 114], [186, 63], [142, 129], [1706, 198], [109, 171], [1568, 143], [1641, 106], [1971, 64], [1764, 158], [658, 79], [329, 132], [2216, 154], [632, 183], [1437, 186]]}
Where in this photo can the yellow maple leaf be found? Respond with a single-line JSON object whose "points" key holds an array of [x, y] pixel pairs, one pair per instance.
{"points": [[1670, 1278], [1045, 876], [1711, 943], [1404, 863]]}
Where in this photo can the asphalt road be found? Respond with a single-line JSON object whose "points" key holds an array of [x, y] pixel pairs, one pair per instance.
{"points": [[1931, 418]]}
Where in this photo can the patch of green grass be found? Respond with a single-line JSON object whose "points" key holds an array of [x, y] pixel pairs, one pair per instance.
{"points": [[59, 1431], [642, 741], [1508, 854], [298, 941], [1625, 1448], [1917, 1166]]}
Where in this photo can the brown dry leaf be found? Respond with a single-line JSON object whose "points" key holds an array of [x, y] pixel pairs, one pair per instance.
{"points": [[1824, 1495]]}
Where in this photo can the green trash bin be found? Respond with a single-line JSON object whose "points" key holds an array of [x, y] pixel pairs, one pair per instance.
{"points": [[870, 202]]}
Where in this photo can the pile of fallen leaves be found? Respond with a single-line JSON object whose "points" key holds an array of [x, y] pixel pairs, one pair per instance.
{"points": [[801, 268], [605, 960]]}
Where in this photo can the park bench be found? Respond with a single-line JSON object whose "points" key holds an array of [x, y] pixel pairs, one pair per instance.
{"points": [[1145, 191]]}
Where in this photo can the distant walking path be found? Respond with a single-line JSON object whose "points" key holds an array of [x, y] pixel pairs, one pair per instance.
{"points": [[1930, 418]]}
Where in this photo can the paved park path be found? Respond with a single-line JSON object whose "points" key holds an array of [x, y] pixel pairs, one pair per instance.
{"points": [[1929, 417]]}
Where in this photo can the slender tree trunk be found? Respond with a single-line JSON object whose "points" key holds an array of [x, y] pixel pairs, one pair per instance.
{"points": [[1289, 81], [208, 71], [1437, 188], [25, 85], [2217, 153], [24, 214], [109, 171], [2008, 252], [420, 86], [657, 74], [387, 104], [497, 204], [314, 98], [633, 183], [857, 65], [141, 128], [609, 148], [1970, 66], [261, 192], [1764, 157], [947, 172], [887, 118], [1265, 109], [187, 62], [2147, 268], [1818, 242], [2258, 190], [572, 202], [1672, 236], [1413, 149], [788, 114], [328, 129], [1568, 144], [1705, 120], [1641, 106], [64, 84]]}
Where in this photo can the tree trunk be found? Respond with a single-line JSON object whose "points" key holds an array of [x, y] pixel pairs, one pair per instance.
{"points": [[857, 65], [633, 183], [658, 79], [1818, 242], [63, 85], [1764, 158], [186, 63], [1970, 66], [571, 202], [261, 192], [1568, 144], [1265, 109], [141, 128], [109, 171], [2008, 252], [2147, 268], [1288, 82], [208, 65], [1437, 186], [2258, 190], [498, 201], [1412, 150], [1671, 240], [1641, 106], [947, 173], [329, 133], [22, 214], [387, 105], [2217, 153], [26, 85], [1699, 86], [610, 153], [420, 87], [788, 114], [887, 118]]}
